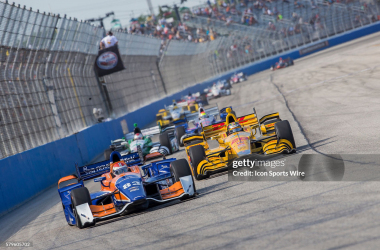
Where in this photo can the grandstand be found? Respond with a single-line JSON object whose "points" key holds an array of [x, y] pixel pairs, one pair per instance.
{"points": [[263, 29]]}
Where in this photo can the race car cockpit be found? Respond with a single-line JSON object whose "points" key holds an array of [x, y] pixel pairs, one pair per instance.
{"points": [[136, 130], [120, 168], [138, 136], [233, 128], [203, 115]]}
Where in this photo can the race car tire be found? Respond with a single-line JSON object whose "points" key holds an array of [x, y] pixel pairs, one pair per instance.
{"points": [[290, 60], [165, 141], [179, 132], [204, 100], [107, 154], [197, 154], [180, 168], [284, 131], [80, 196], [192, 109]]}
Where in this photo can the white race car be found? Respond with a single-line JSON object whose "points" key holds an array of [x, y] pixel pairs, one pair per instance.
{"points": [[219, 89]]}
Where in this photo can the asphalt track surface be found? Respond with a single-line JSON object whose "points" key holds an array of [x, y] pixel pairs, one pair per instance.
{"points": [[331, 100]]}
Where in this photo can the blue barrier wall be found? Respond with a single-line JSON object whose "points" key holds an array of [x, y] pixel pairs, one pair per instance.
{"points": [[24, 175]]}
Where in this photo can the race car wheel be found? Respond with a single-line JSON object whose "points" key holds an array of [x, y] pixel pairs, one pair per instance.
{"points": [[284, 131], [290, 60], [107, 154], [180, 168], [192, 109], [80, 196], [197, 154], [165, 141], [204, 100], [179, 132]]}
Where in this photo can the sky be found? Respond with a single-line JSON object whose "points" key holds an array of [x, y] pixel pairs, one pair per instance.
{"points": [[85, 9]]}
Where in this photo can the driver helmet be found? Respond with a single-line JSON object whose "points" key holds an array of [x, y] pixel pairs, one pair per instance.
{"points": [[280, 59], [203, 115], [234, 127], [119, 168], [138, 136]]}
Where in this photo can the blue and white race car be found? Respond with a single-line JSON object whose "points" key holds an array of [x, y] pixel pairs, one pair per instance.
{"points": [[124, 187]]}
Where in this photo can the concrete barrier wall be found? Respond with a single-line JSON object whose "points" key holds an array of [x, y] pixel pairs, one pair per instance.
{"points": [[24, 175]]}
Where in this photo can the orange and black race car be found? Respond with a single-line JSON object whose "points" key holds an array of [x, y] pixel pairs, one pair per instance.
{"points": [[282, 63], [125, 187]]}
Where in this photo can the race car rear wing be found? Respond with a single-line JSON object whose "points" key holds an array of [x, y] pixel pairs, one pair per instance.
{"points": [[96, 169], [213, 130], [213, 111], [248, 120], [146, 132]]}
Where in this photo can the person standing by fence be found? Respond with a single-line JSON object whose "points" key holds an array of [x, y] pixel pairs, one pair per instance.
{"points": [[108, 41]]}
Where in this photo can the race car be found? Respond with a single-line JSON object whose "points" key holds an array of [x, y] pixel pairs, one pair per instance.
{"points": [[124, 188], [196, 98], [141, 140], [237, 138], [204, 116], [174, 113], [282, 63], [237, 77], [223, 113], [219, 89]]}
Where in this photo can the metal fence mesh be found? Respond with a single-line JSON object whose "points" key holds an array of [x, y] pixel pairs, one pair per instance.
{"points": [[48, 86], [140, 83]]}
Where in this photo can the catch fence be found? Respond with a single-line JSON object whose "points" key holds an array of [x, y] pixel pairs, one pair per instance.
{"points": [[48, 86]]}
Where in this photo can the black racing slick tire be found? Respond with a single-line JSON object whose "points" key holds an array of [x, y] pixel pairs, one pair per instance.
{"points": [[192, 109], [80, 196], [180, 168], [165, 141], [107, 154], [290, 60], [284, 131], [179, 132], [204, 100], [197, 154]]}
